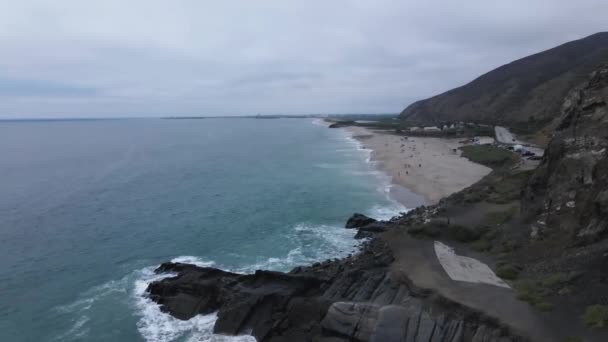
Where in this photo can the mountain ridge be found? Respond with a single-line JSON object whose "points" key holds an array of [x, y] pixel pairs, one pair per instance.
{"points": [[529, 89]]}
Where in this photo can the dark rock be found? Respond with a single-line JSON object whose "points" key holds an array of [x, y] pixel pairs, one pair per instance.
{"points": [[568, 190], [358, 220], [369, 230], [353, 299]]}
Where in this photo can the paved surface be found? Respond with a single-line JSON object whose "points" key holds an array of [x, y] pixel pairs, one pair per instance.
{"points": [[462, 268], [504, 136], [417, 261]]}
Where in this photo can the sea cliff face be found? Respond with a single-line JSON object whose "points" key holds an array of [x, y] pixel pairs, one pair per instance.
{"points": [[568, 192], [357, 298]]}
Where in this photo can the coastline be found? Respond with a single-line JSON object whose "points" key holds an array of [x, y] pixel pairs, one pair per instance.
{"points": [[430, 168]]}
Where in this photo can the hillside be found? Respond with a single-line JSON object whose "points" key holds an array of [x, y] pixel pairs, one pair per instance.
{"points": [[530, 89]]}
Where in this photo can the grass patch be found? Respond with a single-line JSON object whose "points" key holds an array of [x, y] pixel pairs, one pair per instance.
{"points": [[488, 155], [596, 316]]}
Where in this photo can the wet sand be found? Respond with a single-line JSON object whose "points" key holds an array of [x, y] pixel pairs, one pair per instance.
{"points": [[430, 167]]}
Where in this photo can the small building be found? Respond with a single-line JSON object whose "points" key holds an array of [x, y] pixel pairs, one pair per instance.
{"points": [[518, 148], [432, 129], [414, 129]]}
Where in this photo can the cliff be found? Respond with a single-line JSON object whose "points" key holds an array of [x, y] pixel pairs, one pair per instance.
{"points": [[357, 298], [568, 192], [529, 89]]}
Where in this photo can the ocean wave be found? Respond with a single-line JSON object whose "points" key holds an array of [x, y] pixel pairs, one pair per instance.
{"points": [[386, 212], [77, 331], [80, 311], [189, 259], [319, 122]]}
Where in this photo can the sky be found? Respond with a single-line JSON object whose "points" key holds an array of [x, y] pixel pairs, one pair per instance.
{"points": [[74, 58]]}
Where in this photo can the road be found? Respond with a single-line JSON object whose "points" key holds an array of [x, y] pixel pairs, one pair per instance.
{"points": [[503, 136]]}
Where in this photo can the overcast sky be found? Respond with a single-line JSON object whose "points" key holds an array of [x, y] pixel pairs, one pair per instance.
{"points": [[64, 58]]}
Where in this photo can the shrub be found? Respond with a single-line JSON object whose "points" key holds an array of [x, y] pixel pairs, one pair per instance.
{"points": [[508, 271], [596, 316]]}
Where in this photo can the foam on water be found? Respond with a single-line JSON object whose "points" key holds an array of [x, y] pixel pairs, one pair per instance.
{"points": [[313, 242], [156, 326]]}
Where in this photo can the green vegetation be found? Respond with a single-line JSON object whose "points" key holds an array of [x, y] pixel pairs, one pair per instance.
{"points": [[508, 271], [488, 155], [596, 316], [501, 186], [535, 291]]}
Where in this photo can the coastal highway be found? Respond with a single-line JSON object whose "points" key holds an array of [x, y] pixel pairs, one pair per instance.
{"points": [[504, 136]]}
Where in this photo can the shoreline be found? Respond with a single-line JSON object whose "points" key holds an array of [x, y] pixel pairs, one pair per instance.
{"points": [[430, 168]]}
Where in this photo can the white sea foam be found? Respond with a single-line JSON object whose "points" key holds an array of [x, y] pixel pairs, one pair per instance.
{"points": [[319, 122], [77, 331], [80, 309], [156, 326], [189, 259]]}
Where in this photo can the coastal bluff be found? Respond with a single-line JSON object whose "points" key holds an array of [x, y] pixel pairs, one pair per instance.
{"points": [[358, 298]]}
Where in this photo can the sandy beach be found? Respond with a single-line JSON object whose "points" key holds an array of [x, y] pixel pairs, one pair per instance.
{"points": [[430, 167]]}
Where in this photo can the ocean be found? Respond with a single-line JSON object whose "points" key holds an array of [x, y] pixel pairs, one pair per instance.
{"points": [[88, 209]]}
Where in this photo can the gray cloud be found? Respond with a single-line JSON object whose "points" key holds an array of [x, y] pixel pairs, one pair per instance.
{"points": [[154, 58]]}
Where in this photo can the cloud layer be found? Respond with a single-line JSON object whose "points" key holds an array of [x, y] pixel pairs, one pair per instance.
{"points": [[72, 58]]}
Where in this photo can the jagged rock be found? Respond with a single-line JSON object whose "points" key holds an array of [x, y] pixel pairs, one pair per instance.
{"points": [[352, 299], [358, 220], [568, 189], [369, 230]]}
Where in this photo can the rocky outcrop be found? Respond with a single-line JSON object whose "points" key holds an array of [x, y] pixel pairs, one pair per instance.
{"points": [[354, 299], [569, 190], [528, 90], [358, 221]]}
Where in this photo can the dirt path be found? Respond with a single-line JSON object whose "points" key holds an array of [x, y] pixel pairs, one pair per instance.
{"points": [[417, 260]]}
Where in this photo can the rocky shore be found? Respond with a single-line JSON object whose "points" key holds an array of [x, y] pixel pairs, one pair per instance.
{"points": [[543, 231], [358, 298]]}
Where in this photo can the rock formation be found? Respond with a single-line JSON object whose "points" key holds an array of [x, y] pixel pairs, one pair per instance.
{"points": [[353, 299], [568, 192]]}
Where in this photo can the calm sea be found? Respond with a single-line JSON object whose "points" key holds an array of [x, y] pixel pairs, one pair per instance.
{"points": [[88, 208]]}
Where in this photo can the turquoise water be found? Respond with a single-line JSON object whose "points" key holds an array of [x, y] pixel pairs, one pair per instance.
{"points": [[89, 208]]}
